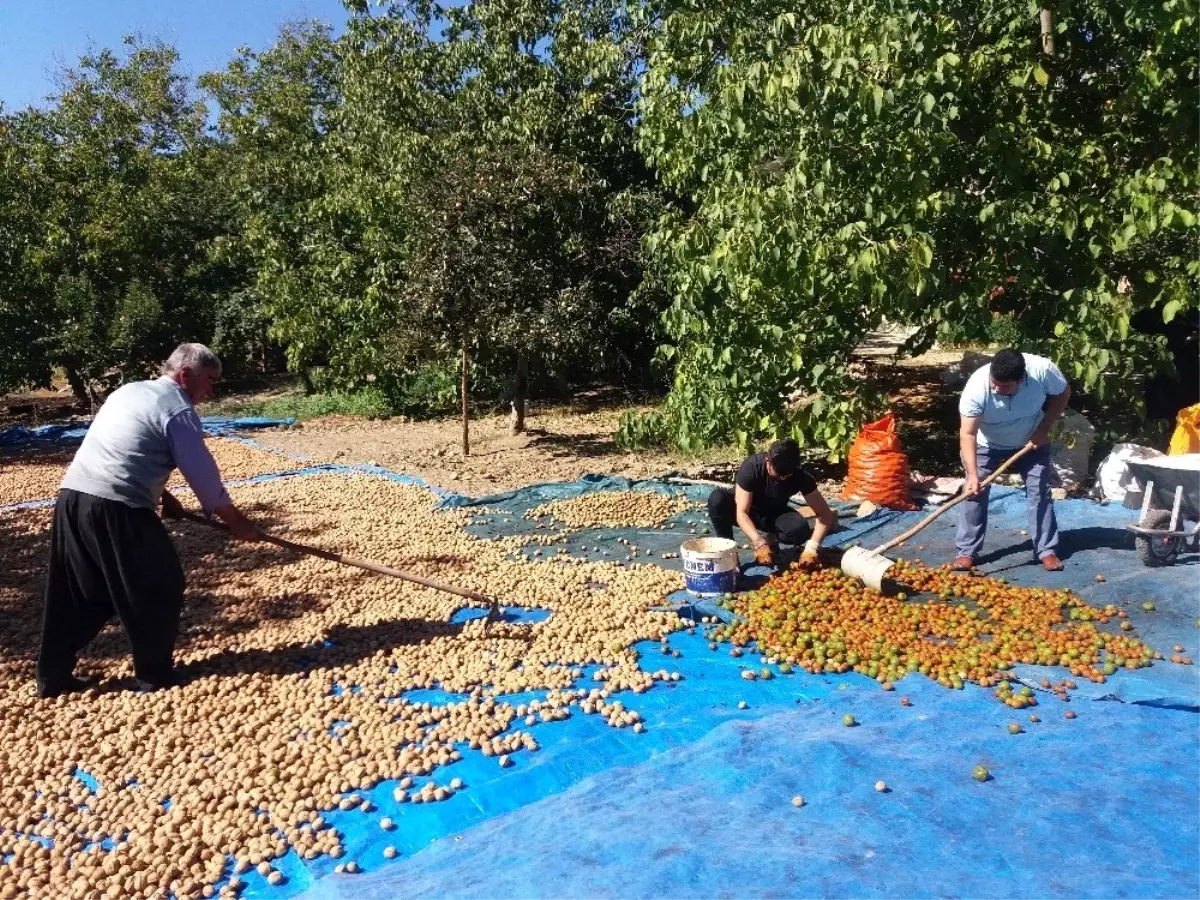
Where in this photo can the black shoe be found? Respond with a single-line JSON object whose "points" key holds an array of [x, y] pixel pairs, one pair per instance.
{"points": [[171, 679], [72, 685]]}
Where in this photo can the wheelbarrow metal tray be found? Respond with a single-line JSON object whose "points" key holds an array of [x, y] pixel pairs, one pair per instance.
{"points": [[1167, 473]]}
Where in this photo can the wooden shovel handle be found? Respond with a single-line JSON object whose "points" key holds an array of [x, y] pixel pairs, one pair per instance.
{"points": [[946, 507], [351, 561]]}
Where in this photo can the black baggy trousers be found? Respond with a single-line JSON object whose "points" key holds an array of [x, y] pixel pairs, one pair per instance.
{"points": [[109, 559], [791, 527]]}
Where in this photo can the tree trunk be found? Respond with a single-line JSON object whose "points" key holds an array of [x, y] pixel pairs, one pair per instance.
{"points": [[79, 387], [306, 380], [516, 420], [1047, 19], [466, 434]]}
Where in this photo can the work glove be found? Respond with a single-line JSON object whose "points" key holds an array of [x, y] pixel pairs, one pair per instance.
{"points": [[809, 559]]}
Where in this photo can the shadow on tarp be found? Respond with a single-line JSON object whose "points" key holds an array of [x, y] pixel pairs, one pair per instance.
{"points": [[503, 515], [343, 646]]}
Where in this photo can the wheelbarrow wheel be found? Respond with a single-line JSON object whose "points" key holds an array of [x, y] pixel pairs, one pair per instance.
{"points": [[1158, 551]]}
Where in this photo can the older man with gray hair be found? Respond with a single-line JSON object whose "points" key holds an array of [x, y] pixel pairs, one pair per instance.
{"points": [[109, 552]]}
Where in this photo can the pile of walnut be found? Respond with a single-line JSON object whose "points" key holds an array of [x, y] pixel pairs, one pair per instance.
{"points": [[37, 474], [612, 509], [237, 461], [32, 474], [297, 665]]}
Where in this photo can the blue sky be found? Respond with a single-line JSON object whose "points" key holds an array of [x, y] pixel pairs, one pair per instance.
{"points": [[39, 36]]}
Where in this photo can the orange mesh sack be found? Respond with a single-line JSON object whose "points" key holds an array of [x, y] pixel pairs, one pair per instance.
{"points": [[878, 467]]}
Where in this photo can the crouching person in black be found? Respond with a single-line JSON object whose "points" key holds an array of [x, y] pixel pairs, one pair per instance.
{"points": [[758, 505]]}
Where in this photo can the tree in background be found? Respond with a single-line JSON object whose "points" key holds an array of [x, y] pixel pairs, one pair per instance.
{"points": [[25, 194], [114, 215], [531, 200], [475, 186], [924, 161], [277, 108], [482, 176], [496, 263]]}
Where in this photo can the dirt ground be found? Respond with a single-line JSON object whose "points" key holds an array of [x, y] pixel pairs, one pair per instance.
{"points": [[563, 441], [38, 407], [560, 443]]}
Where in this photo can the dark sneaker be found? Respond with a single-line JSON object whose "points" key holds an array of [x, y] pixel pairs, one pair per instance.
{"points": [[49, 689], [171, 679]]}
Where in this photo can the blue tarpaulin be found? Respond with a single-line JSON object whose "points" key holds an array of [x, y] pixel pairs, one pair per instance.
{"points": [[700, 805], [21, 437], [1101, 805], [1094, 542], [505, 514]]}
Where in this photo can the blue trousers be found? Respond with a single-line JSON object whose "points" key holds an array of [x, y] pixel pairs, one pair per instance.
{"points": [[1035, 469]]}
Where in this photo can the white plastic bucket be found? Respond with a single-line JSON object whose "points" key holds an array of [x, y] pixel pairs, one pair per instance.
{"points": [[710, 566]]}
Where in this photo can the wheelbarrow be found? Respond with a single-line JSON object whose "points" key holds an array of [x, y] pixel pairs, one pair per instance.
{"points": [[1169, 500]]}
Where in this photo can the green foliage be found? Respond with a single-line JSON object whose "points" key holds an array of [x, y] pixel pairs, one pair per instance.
{"points": [[639, 430], [999, 330], [103, 342], [135, 316], [541, 181], [277, 110], [240, 334], [493, 261], [431, 390], [479, 188], [318, 219], [107, 198], [368, 403], [921, 160], [24, 195]]}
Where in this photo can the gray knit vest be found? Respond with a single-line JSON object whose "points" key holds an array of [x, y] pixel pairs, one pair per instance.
{"points": [[126, 455]]}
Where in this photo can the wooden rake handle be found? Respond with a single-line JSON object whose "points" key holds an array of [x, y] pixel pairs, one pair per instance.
{"points": [[946, 507], [351, 561]]}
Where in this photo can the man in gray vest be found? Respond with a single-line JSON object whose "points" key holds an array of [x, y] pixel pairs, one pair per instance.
{"points": [[109, 552]]}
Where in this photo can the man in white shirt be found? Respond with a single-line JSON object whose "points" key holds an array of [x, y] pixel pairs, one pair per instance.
{"points": [[1011, 403], [109, 552]]}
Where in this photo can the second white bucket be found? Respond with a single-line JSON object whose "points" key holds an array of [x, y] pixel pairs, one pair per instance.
{"points": [[710, 566]]}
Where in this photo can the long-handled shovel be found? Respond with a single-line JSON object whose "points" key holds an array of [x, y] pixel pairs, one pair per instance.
{"points": [[869, 566], [493, 606]]}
